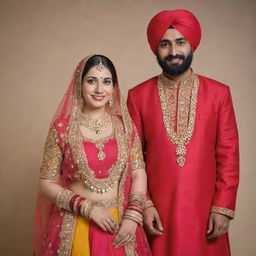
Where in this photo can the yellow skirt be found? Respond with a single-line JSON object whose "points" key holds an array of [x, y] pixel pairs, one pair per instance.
{"points": [[80, 245]]}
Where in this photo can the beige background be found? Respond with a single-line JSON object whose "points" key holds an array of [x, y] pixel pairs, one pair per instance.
{"points": [[42, 41]]}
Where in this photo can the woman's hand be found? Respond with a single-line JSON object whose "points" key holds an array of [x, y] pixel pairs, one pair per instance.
{"points": [[104, 219], [126, 233]]}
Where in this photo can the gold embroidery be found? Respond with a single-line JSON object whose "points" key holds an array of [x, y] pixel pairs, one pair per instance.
{"points": [[123, 133], [129, 248], [63, 199], [66, 234], [137, 161], [86, 174], [179, 110], [108, 203], [224, 211], [52, 159], [100, 143], [128, 130]]}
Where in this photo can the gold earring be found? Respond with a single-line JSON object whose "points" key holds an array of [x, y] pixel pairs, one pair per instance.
{"points": [[110, 102]]}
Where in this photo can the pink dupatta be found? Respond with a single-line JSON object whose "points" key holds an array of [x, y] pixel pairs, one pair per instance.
{"points": [[49, 226]]}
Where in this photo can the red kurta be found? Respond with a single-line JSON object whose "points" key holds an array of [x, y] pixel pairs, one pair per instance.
{"points": [[184, 195]]}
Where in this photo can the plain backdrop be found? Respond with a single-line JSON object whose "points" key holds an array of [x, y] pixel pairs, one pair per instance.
{"points": [[41, 41]]}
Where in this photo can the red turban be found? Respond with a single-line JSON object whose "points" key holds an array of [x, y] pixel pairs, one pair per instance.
{"points": [[182, 20]]}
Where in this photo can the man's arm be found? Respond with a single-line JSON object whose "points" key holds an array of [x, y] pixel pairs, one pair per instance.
{"points": [[227, 161]]}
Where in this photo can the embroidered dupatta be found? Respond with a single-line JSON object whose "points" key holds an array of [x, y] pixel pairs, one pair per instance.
{"points": [[54, 228]]}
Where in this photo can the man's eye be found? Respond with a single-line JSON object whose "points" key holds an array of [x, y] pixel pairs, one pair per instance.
{"points": [[163, 45], [181, 42]]}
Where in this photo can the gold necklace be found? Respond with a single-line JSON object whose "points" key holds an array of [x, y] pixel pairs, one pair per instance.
{"points": [[95, 125], [183, 138], [85, 173]]}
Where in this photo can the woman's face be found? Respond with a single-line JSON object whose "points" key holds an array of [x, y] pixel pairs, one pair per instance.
{"points": [[97, 87]]}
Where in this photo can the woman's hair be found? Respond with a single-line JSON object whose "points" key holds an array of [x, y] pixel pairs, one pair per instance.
{"points": [[107, 63]]}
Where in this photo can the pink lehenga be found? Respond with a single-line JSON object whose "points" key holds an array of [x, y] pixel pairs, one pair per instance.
{"points": [[69, 157]]}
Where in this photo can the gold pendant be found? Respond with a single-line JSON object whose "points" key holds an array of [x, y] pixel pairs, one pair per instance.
{"points": [[101, 155], [181, 152], [181, 160]]}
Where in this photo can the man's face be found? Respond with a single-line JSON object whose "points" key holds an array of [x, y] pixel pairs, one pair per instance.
{"points": [[174, 53]]}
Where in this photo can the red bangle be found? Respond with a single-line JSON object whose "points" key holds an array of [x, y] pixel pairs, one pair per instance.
{"points": [[72, 201], [148, 207], [78, 206]]}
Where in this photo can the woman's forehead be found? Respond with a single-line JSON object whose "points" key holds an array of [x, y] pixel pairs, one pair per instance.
{"points": [[93, 71]]}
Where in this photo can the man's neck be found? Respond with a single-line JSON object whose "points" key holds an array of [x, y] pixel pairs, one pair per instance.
{"points": [[181, 77]]}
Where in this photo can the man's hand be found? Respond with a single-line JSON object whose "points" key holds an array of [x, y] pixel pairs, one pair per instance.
{"points": [[152, 222], [217, 225]]}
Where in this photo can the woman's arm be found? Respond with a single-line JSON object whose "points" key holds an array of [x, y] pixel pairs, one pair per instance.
{"points": [[128, 226], [133, 215], [49, 189], [50, 169]]}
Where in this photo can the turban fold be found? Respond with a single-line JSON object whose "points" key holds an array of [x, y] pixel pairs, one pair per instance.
{"points": [[181, 20]]}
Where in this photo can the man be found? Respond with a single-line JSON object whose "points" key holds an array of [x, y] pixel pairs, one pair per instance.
{"points": [[188, 131]]}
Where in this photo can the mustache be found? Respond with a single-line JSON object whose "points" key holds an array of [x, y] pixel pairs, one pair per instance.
{"points": [[172, 57]]}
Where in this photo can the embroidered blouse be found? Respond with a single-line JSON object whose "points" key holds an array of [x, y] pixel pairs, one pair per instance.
{"points": [[55, 163]]}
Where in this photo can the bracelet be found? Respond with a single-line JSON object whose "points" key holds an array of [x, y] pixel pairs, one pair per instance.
{"points": [[148, 204], [137, 197], [69, 201], [86, 208], [135, 208], [63, 199], [133, 215]]}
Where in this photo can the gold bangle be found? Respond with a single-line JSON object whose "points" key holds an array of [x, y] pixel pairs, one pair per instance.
{"points": [[148, 204], [138, 197], [63, 198], [133, 215], [86, 208]]}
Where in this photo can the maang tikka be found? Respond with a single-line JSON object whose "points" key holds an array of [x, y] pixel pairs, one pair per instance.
{"points": [[100, 66]]}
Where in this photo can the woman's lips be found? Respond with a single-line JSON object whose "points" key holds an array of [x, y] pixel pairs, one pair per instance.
{"points": [[98, 98]]}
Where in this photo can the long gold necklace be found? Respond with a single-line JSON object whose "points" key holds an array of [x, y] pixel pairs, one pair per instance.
{"points": [[85, 173], [182, 137], [95, 125]]}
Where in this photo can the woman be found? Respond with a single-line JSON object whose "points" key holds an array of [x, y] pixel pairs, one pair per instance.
{"points": [[92, 175]]}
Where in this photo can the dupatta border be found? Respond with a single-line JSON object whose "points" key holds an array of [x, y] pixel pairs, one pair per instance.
{"points": [[67, 233]]}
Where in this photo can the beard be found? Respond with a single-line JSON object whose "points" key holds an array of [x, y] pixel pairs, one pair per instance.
{"points": [[176, 68]]}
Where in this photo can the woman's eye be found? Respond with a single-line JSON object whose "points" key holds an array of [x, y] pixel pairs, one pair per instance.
{"points": [[90, 81], [107, 82]]}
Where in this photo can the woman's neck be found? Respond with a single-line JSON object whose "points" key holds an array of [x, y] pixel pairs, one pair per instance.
{"points": [[94, 113]]}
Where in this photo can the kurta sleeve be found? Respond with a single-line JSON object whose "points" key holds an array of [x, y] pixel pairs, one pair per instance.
{"points": [[52, 158], [227, 160]]}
